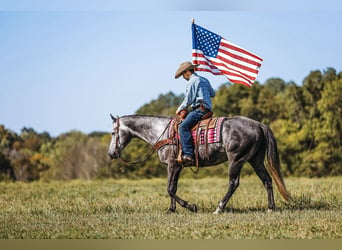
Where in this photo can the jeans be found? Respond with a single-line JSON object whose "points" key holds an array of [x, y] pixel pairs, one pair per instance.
{"points": [[184, 129]]}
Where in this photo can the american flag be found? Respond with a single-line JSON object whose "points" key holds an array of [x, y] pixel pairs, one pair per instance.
{"points": [[216, 55]]}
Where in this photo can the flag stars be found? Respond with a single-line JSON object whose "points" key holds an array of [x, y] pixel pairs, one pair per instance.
{"points": [[208, 42]]}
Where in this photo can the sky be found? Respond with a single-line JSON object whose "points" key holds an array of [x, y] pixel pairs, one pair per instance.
{"points": [[65, 65]]}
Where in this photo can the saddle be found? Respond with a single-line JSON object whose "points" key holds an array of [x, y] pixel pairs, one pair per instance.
{"points": [[205, 123], [206, 131]]}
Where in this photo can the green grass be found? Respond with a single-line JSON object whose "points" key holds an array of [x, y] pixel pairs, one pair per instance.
{"points": [[136, 209]]}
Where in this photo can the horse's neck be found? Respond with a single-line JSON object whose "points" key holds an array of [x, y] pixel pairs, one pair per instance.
{"points": [[147, 128]]}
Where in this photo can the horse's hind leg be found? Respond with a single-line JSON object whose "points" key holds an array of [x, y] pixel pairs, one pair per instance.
{"points": [[234, 180], [258, 165]]}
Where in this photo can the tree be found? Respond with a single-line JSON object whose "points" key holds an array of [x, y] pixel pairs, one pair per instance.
{"points": [[72, 156], [275, 85], [164, 105], [310, 140], [227, 101], [325, 155]]}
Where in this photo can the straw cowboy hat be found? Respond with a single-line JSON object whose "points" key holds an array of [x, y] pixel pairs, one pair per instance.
{"points": [[185, 66]]}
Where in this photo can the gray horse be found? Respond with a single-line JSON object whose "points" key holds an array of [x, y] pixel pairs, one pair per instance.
{"points": [[243, 139]]}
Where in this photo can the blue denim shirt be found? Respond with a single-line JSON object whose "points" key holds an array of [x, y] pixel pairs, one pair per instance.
{"points": [[198, 90]]}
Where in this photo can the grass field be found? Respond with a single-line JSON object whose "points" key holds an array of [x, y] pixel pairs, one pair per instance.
{"points": [[135, 209]]}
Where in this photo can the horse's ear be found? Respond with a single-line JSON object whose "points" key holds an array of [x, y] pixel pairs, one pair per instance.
{"points": [[113, 118]]}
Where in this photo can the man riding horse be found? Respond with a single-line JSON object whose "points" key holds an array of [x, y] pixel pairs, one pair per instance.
{"points": [[197, 96]]}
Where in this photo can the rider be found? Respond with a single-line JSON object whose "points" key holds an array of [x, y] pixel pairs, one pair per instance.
{"points": [[197, 95]]}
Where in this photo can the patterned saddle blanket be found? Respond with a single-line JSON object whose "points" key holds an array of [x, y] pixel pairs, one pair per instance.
{"points": [[205, 132]]}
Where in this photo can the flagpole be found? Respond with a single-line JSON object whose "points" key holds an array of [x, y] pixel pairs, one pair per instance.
{"points": [[193, 20]]}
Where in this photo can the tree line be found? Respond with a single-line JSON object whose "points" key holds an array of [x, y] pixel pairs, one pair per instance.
{"points": [[306, 120]]}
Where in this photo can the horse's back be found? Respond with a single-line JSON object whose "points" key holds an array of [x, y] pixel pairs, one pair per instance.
{"points": [[242, 124]]}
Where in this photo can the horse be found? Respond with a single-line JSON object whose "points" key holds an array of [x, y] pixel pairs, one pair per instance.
{"points": [[243, 140]]}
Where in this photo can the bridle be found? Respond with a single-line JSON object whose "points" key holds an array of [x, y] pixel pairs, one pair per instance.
{"points": [[117, 139], [142, 159]]}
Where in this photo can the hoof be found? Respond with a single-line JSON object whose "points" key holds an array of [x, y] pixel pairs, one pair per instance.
{"points": [[170, 211], [270, 210], [193, 208], [218, 211]]}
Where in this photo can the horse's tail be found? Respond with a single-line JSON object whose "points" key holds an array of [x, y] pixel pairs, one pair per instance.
{"points": [[274, 163]]}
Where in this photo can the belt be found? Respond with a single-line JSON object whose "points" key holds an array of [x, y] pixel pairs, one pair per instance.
{"points": [[201, 106]]}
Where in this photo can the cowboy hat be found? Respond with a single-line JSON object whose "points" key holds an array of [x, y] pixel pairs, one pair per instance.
{"points": [[185, 66]]}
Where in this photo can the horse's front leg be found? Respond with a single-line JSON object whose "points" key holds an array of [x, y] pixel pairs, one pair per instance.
{"points": [[173, 176]]}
